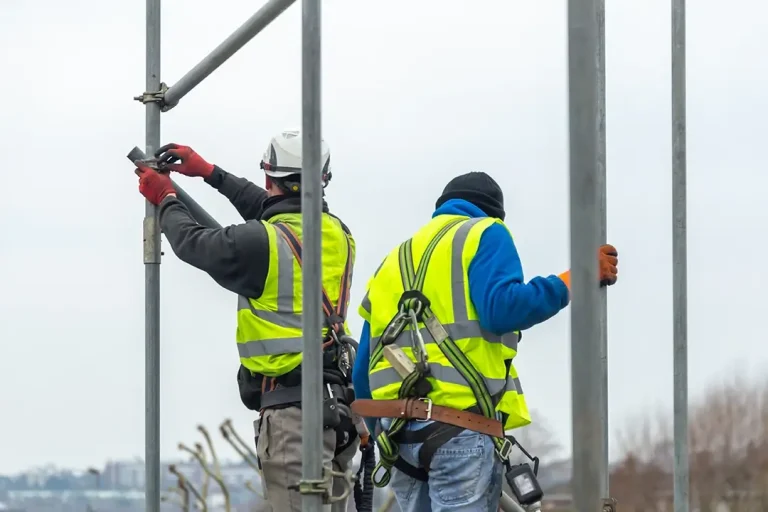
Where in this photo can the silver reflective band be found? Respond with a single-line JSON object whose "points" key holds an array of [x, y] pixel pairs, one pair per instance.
{"points": [[457, 331], [366, 303], [449, 374], [273, 347], [285, 316]]}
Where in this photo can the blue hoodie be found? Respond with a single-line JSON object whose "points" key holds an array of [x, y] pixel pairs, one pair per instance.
{"points": [[503, 300]]}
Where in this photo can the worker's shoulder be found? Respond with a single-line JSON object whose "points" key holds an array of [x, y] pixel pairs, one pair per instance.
{"points": [[341, 223], [253, 230]]}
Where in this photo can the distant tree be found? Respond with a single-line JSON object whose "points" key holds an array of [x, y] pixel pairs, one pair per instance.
{"points": [[537, 439], [728, 453]]}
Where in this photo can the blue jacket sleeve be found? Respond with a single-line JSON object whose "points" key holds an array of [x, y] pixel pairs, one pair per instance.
{"points": [[360, 370], [503, 300]]}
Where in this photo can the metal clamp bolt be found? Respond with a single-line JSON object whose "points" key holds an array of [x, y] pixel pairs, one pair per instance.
{"points": [[154, 97], [609, 505]]}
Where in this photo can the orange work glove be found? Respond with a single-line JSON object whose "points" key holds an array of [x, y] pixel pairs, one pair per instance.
{"points": [[608, 261], [608, 257]]}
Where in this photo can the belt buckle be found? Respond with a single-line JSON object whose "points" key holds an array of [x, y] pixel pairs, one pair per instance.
{"points": [[429, 409], [505, 450]]}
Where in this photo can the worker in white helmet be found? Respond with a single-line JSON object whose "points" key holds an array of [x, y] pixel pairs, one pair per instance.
{"points": [[260, 261]]}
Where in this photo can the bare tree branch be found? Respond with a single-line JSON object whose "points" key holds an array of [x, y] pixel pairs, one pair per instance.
{"points": [[229, 433], [215, 476], [188, 485], [206, 477]]}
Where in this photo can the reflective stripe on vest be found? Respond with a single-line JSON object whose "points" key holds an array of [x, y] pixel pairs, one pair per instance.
{"points": [[283, 317]]}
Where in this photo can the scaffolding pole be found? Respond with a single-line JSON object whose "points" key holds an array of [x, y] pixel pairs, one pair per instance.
{"points": [[679, 260], [152, 276], [239, 38], [602, 203], [585, 216], [157, 99], [312, 209]]}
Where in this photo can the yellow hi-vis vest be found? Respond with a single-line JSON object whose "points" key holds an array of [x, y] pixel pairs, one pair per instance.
{"points": [[269, 335], [446, 287]]}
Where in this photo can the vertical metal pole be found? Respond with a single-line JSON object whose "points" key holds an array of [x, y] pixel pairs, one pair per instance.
{"points": [[311, 208], [586, 378], [679, 259], [602, 204], [152, 277]]}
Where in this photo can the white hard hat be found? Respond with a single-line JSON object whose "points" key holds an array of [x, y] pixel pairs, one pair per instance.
{"points": [[283, 156]]}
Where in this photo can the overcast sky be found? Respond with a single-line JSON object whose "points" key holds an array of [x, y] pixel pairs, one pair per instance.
{"points": [[414, 93]]}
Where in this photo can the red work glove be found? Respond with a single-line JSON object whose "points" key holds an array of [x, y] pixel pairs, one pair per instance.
{"points": [[608, 261], [189, 162], [153, 185]]}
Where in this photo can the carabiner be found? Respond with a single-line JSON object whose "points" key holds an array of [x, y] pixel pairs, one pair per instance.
{"points": [[417, 343]]}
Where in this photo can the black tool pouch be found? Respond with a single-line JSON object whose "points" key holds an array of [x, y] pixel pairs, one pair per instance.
{"points": [[346, 434], [331, 414], [250, 388]]}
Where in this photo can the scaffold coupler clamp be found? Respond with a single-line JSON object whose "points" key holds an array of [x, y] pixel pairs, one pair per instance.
{"points": [[155, 97], [324, 486], [609, 505]]}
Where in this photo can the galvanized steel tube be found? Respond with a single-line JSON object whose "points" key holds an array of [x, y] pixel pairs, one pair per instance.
{"points": [[679, 260], [152, 276], [311, 208], [247, 31], [583, 36]]}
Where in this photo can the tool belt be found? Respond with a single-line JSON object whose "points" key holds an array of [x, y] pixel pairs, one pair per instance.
{"points": [[291, 396]]}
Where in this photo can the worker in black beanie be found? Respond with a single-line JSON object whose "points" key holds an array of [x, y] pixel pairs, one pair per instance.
{"points": [[479, 189], [464, 286]]}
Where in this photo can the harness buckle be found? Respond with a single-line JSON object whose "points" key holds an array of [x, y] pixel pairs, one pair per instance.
{"points": [[429, 409], [505, 450]]}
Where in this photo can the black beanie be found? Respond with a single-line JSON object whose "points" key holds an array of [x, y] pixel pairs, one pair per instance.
{"points": [[479, 189]]}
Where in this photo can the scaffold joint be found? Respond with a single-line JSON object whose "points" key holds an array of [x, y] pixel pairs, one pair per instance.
{"points": [[154, 96], [324, 486], [609, 505]]}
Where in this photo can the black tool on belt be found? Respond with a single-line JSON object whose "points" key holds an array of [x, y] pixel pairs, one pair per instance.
{"points": [[363, 491]]}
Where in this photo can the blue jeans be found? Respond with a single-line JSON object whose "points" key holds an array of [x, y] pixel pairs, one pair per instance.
{"points": [[465, 476]]}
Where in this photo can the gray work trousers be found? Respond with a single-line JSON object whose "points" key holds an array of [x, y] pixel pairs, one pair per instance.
{"points": [[279, 452]]}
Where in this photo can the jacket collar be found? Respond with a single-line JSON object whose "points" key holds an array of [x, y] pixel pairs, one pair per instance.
{"points": [[277, 205]]}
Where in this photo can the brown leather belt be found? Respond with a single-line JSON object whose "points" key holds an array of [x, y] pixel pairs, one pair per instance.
{"points": [[423, 409]]}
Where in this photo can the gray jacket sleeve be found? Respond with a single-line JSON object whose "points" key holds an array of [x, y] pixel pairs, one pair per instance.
{"points": [[236, 257], [247, 197]]}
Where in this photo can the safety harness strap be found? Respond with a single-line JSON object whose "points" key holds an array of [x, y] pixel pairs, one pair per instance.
{"points": [[335, 316], [414, 304], [413, 281]]}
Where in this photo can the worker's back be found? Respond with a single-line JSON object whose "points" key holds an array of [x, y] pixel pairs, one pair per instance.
{"points": [[446, 288], [269, 334]]}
